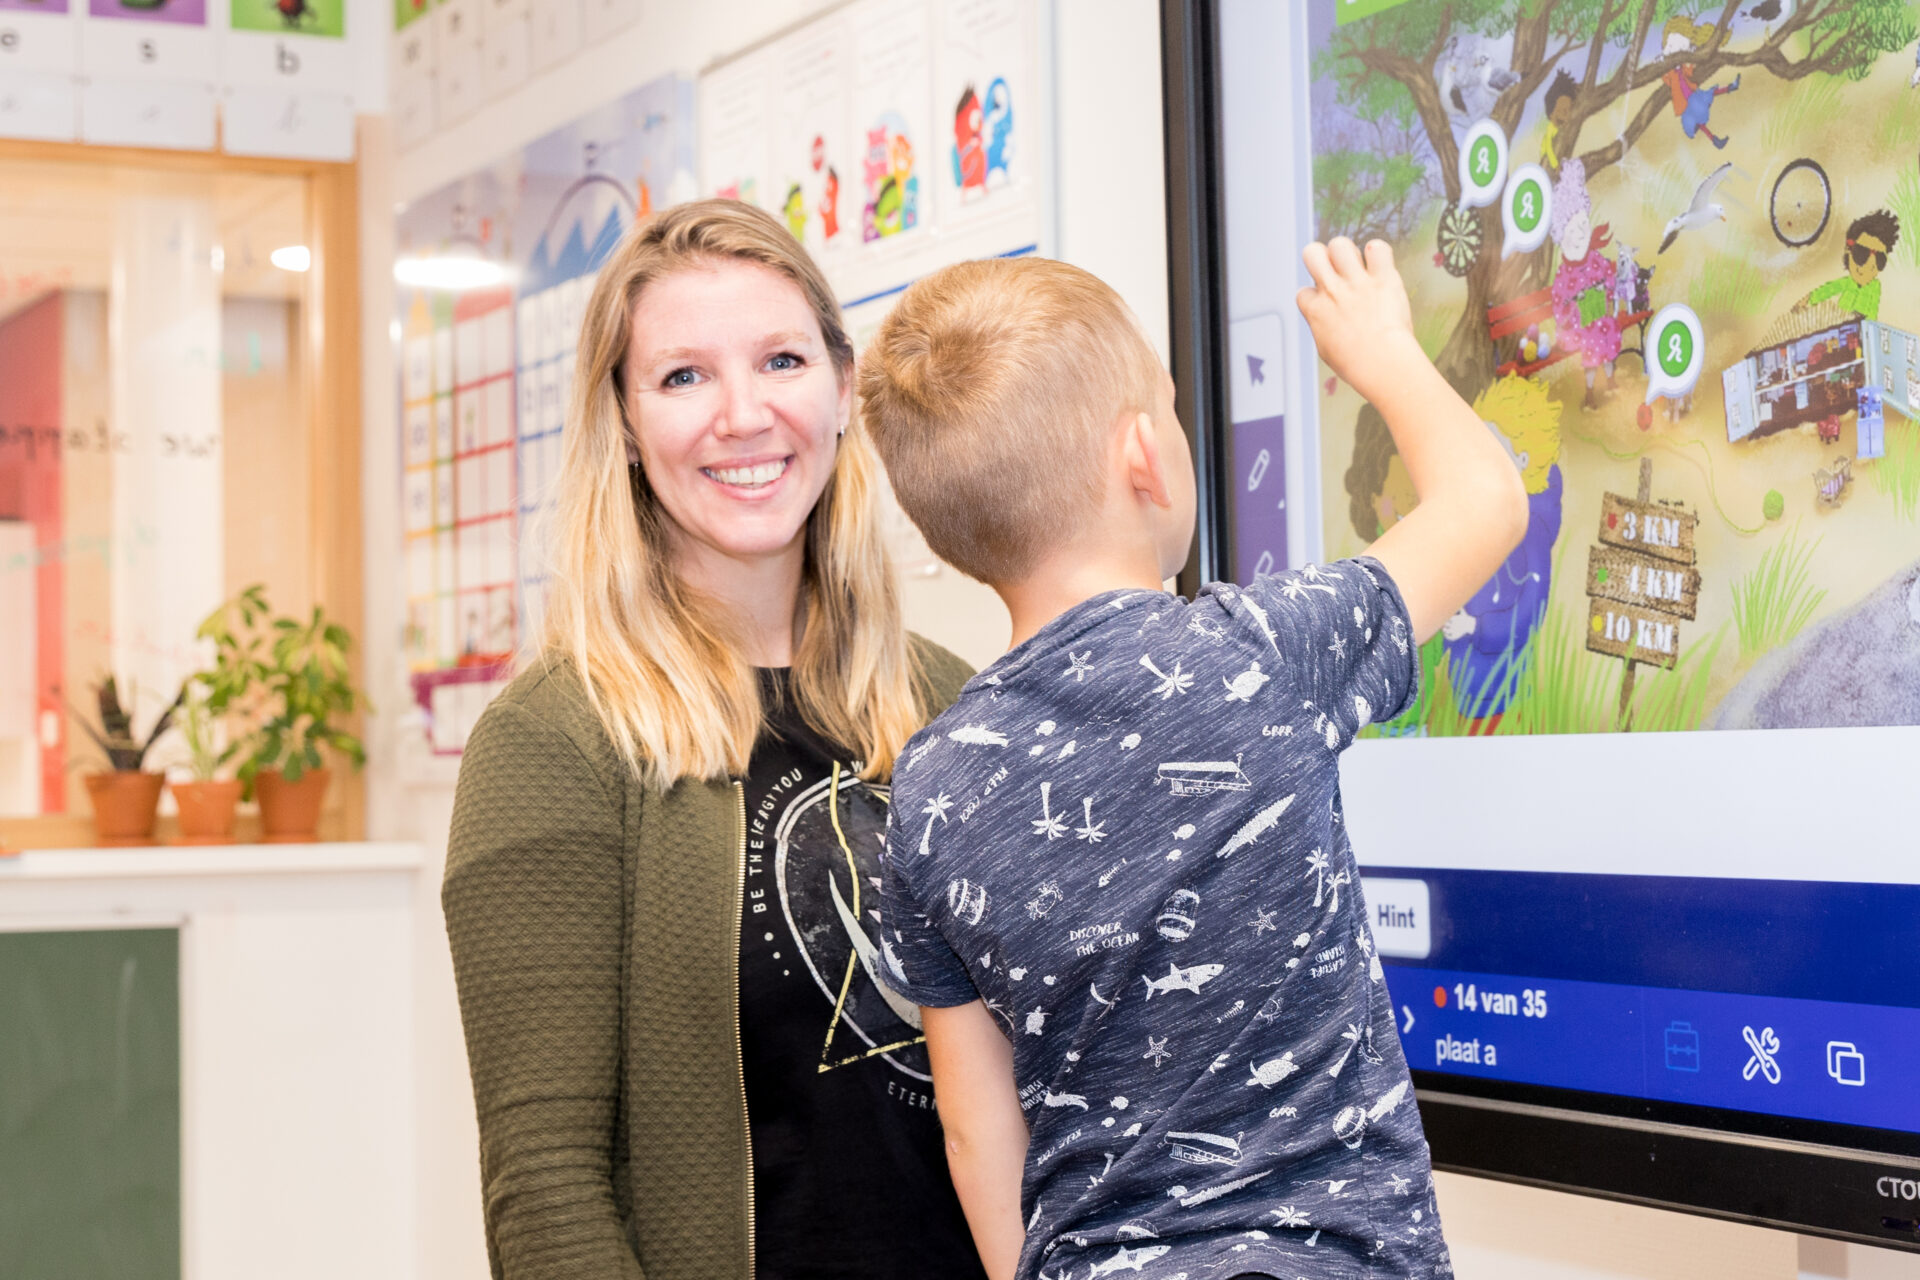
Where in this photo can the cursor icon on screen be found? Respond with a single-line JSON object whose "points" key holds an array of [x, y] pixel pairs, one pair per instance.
{"points": [[1256, 369]]}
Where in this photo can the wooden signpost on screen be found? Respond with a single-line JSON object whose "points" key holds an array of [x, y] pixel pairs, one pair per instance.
{"points": [[1641, 583]]}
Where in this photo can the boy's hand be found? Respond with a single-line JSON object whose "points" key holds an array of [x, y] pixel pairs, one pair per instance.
{"points": [[1358, 311]]}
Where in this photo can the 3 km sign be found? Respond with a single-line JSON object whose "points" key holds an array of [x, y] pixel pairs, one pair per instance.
{"points": [[1641, 583]]}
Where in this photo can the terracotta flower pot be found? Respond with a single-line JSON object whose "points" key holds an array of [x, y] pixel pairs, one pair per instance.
{"points": [[123, 805], [290, 811], [206, 810]]}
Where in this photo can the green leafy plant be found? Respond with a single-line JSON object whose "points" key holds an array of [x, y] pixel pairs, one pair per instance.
{"points": [[292, 675], [1772, 604], [199, 728], [113, 731]]}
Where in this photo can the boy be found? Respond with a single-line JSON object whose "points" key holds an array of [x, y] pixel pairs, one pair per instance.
{"points": [[1118, 881]]}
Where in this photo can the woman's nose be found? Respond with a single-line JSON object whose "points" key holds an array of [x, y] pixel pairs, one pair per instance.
{"points": [[745, 410]]}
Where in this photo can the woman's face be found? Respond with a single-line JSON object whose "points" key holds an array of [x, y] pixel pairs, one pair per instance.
{"points": [[735, 406]]}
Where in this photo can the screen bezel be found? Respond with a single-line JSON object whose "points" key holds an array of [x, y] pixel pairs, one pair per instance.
{"points": [[1799, 1175]]}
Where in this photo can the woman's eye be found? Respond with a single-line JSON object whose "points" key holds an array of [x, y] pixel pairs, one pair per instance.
{"points": [[680, 378], [785, 361]]}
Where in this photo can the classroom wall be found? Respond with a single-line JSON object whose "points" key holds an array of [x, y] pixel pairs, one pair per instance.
{"points": [[1111, 220]]}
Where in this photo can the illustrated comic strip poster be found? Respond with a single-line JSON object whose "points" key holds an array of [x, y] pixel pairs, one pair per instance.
{"points": [[1670, 252]]}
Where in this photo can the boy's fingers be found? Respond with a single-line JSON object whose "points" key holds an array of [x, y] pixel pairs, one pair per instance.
{"points": [[1345, 257], [1379, 257], [1318, 265]]}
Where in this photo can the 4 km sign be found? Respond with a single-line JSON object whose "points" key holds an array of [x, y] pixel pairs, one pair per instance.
{"points": [[1641, 583]]}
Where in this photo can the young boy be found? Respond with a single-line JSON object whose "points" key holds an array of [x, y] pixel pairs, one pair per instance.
{"points": [[1118, 880]]}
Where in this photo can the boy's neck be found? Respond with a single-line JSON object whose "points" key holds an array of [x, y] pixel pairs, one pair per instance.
{"points": [[1069, 578]]}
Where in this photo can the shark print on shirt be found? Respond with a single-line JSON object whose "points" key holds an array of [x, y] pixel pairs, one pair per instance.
{"points": [[1168, 916]]}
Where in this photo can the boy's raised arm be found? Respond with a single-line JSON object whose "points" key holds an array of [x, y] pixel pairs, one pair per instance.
{"points": [[986, 1131], [1473, 507]]}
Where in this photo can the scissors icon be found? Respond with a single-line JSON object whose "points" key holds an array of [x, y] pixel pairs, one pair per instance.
{"points": [[1764, 1046]]}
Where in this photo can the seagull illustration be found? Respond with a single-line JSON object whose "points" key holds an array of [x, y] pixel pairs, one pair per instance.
{"points": [[1702, 211]]}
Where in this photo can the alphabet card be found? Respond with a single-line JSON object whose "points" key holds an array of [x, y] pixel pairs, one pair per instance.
{"points": [[39, 49], [287, 79], [145, 40]]}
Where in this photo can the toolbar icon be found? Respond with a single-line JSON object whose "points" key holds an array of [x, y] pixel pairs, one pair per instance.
{"points": [[1846, 1064], [1683, 1047], [1762, 1062]]}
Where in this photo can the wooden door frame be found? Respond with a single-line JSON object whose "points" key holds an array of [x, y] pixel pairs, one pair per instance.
{"points": [[332, 350]]}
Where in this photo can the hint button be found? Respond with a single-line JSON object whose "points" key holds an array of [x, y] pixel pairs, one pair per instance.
{"points": [[1397, 911]]}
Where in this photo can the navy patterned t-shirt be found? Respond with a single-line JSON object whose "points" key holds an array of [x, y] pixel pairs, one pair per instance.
{"points": [[1126, 839]]}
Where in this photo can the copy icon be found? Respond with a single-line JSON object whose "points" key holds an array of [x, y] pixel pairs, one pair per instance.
{"points": [[1846, 1064]]}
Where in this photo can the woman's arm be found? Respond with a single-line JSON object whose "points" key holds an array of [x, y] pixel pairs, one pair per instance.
{"points": [[986, 1131], [535, 913]]}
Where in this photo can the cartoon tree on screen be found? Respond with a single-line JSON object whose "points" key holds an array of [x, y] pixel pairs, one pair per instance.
{"points": [[1390, 66]]}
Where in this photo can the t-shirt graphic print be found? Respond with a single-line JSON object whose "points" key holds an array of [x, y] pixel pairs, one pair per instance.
{"points": [[1126, 839]]}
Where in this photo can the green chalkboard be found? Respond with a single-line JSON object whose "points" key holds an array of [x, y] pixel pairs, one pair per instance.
{"points": [[90, 1105]]}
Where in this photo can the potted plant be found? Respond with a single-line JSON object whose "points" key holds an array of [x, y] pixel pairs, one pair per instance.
{"points": [[293, 674], [126, 795], [208, 802]]}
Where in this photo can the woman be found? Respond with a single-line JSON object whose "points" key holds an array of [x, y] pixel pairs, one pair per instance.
{"points": [[660, 880]]}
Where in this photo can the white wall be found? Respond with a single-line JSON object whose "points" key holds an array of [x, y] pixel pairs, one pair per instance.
{"points": [[1111, 220]]}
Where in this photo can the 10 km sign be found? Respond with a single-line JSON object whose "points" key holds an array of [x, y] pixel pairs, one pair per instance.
{"points": [[1641, 582]]}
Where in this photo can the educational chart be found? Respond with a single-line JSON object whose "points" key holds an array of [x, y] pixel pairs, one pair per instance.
{"points": [[1674, 263], [891, 136], [495, 270]]}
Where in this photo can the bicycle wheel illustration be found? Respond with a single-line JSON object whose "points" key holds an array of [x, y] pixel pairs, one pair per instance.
{"points": [[1459, 240], [1801, 204]]}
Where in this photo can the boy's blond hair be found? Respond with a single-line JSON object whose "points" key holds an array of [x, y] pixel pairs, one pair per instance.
{"points": [[990, 392]]}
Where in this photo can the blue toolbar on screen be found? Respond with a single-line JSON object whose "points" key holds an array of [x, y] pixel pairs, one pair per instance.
{"points": [[1787, 998]]}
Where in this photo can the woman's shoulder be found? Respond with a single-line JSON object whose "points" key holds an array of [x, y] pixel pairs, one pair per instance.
{"points": [[938, 671], [546, 700]]}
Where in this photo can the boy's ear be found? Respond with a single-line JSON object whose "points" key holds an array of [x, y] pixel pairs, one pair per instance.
{"points": [[1146, 472]]}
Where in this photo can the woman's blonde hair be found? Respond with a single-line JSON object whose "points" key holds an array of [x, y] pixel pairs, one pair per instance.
{"points": [[660, 661]]}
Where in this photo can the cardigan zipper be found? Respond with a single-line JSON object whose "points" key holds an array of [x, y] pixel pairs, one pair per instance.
{"points": [[739, 1051]]}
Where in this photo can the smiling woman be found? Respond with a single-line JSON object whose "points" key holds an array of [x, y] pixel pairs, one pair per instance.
{"points": [[660, 875]]}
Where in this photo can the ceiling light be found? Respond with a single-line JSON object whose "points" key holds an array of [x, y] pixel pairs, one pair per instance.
{"points": [[451, 272], [294, 257]]}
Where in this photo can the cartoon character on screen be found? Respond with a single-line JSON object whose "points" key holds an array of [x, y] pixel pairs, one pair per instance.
{"points": [[1692, 102], [1584, 283], [795, 210], [1870, 239], [830, 204], [999, 130], [969, 152], [1379, 490], [1559, 116], [1486, 642]]}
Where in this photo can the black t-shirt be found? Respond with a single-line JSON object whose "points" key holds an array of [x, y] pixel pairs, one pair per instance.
{"points": [[850, 1175]]}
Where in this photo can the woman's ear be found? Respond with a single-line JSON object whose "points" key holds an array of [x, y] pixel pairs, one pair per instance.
{"points": [[1146, 469]]}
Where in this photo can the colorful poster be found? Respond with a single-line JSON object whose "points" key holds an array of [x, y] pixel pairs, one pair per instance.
{"points": [[1689, 315], [290, 17], [812, 160], [984, 101], [735, 125], [892, 118], [502, 263]]}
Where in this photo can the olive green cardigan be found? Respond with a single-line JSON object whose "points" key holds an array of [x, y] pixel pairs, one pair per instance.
{"points": [[595, 934]]}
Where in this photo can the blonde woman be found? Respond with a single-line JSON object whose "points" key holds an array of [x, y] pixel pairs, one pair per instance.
{"points": [[660, 884]]}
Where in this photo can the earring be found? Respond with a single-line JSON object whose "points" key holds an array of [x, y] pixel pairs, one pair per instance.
{"points": [[843, 428]]}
